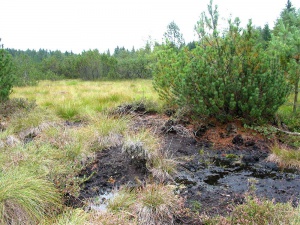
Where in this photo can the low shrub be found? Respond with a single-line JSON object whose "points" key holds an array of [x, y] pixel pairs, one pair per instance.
{"points": [[227, 75]]}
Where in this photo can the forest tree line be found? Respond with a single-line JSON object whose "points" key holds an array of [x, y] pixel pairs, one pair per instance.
{"points": [[30, 66]]}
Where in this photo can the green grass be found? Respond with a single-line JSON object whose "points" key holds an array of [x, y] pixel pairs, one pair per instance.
{"points": [[157, 204], [122, 201], [145, 146], [263, 212], [69, 217], [26, 198], [286, 115], [58, 153], [149, 204], [285, 157], [72, 99]]}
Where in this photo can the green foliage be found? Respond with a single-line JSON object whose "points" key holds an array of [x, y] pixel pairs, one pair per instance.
{"points": [[134, 64], [168, 68], [225, 76], [32, 66], [290, 119], [27, 71], [265, 35], [6, 76], [265, 130], [92, 65], [286, 45], [285, 17]]}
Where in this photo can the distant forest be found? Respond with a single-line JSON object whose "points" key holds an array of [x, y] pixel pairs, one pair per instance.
{"points": [[32, 66]]}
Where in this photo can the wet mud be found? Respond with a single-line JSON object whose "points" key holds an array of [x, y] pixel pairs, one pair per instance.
{"points": [[211, 179]]}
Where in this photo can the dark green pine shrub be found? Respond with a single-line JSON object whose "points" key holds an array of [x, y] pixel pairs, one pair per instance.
{"points": [[227, 75], [6, 77]]}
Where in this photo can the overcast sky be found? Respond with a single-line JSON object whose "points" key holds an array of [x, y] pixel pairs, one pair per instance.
{"points": [[104, 24]]}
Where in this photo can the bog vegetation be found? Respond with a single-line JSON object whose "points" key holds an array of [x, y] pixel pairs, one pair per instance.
{"points": [[248, 73]]}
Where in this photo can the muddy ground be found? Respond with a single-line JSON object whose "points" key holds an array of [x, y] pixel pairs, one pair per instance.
{"points": [[215, 175]]}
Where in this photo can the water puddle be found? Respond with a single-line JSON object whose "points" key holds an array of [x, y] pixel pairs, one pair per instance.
{"points": [[100, 202]]}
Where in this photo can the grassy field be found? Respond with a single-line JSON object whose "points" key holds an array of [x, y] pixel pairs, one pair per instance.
{"points": [[69, 122], [36, 175], [74, 99]]}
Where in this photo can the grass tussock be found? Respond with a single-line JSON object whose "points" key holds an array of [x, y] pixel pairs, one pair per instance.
{"points": [[157, 204], [260, 212], [122, 201], [70, 217], [141, 145], [285, 157], [26, 198], [145, 147], [58, 152], [109, 218], [150, 204]]}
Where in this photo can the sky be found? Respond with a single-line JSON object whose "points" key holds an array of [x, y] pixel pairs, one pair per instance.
{"points": [[77, 25]]}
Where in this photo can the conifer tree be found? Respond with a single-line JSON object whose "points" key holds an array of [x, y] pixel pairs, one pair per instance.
{"points": [[173, 35], [6, 76], [286, 45], [227, 75]]}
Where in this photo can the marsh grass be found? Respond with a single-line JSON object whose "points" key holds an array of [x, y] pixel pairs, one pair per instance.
{"points": [[26, 120], [122, 200], [163, 166], [144, 146], [70, 216], [285, 114], [150, 204], [157, 204], [285, 157], [26, 198], [109, 218], [260, 212], [55, 155], [73, 99]]}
